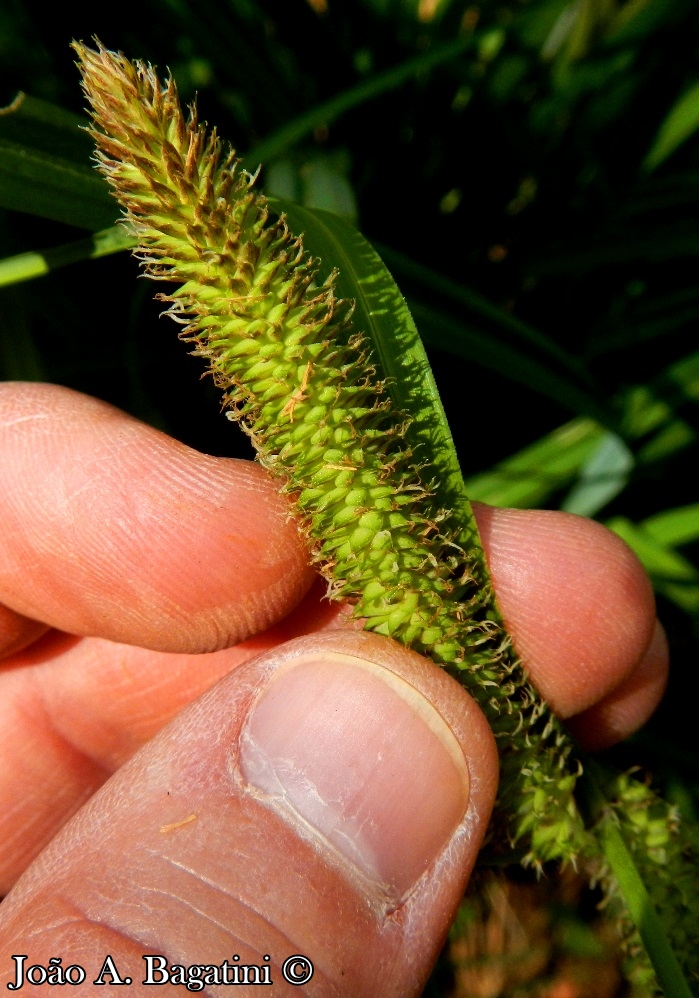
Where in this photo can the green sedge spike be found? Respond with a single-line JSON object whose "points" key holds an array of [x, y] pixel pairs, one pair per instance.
{"points": [[664, 853], [300, 381]]}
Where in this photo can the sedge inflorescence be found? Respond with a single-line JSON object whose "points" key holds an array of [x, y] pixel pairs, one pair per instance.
{"points": [[301, 382]]}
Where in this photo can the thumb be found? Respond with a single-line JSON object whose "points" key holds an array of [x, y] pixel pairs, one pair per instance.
{"points": [[326, 799]]}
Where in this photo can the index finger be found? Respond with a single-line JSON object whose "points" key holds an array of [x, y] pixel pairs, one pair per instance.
{"points": [[110, 528]]}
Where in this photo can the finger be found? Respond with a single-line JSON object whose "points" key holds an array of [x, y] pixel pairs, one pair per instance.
{"points": [[327, 799], [17, 631], [630, 705], [110, 528], [576, 600]]}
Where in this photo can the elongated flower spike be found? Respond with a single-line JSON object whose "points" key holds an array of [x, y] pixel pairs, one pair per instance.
{"points": [[300, 381]]}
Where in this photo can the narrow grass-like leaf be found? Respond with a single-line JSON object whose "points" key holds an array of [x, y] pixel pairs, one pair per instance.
{"points": [[674, 526], [39, 125], [684, 376], [45, 185], [45, 168], [652, 407], [603, 476], [672, 574], [673, 437], [26, 266], [23, 267], [637, 19], [530, 476], [277, 143], [681, 122], [644, 412]]}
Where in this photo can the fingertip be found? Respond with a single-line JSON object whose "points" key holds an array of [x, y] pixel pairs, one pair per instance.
{"points": [[576, 599], [630, 705]]}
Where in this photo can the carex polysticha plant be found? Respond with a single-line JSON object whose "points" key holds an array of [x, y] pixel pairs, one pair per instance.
{"points": [[301, 381]]}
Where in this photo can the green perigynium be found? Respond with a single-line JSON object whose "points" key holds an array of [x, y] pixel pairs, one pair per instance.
{"points": [[302, 384]]}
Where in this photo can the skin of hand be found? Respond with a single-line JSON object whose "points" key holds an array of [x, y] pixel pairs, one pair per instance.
{"points": [[200, 757]]}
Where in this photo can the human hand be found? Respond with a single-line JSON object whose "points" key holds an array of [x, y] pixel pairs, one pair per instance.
{"points": [[135, 573]]}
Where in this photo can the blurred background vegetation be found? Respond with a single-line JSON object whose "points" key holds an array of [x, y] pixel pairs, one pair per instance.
{"points": [[529, 170]]}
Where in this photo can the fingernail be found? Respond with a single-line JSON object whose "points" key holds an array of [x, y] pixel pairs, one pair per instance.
{"points": [[352, 750]]}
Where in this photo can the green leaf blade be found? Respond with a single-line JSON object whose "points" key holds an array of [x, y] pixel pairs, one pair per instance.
{"points": [[681, 122], [45, 167], [43, 184], [529, 477], [27, 266]]}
